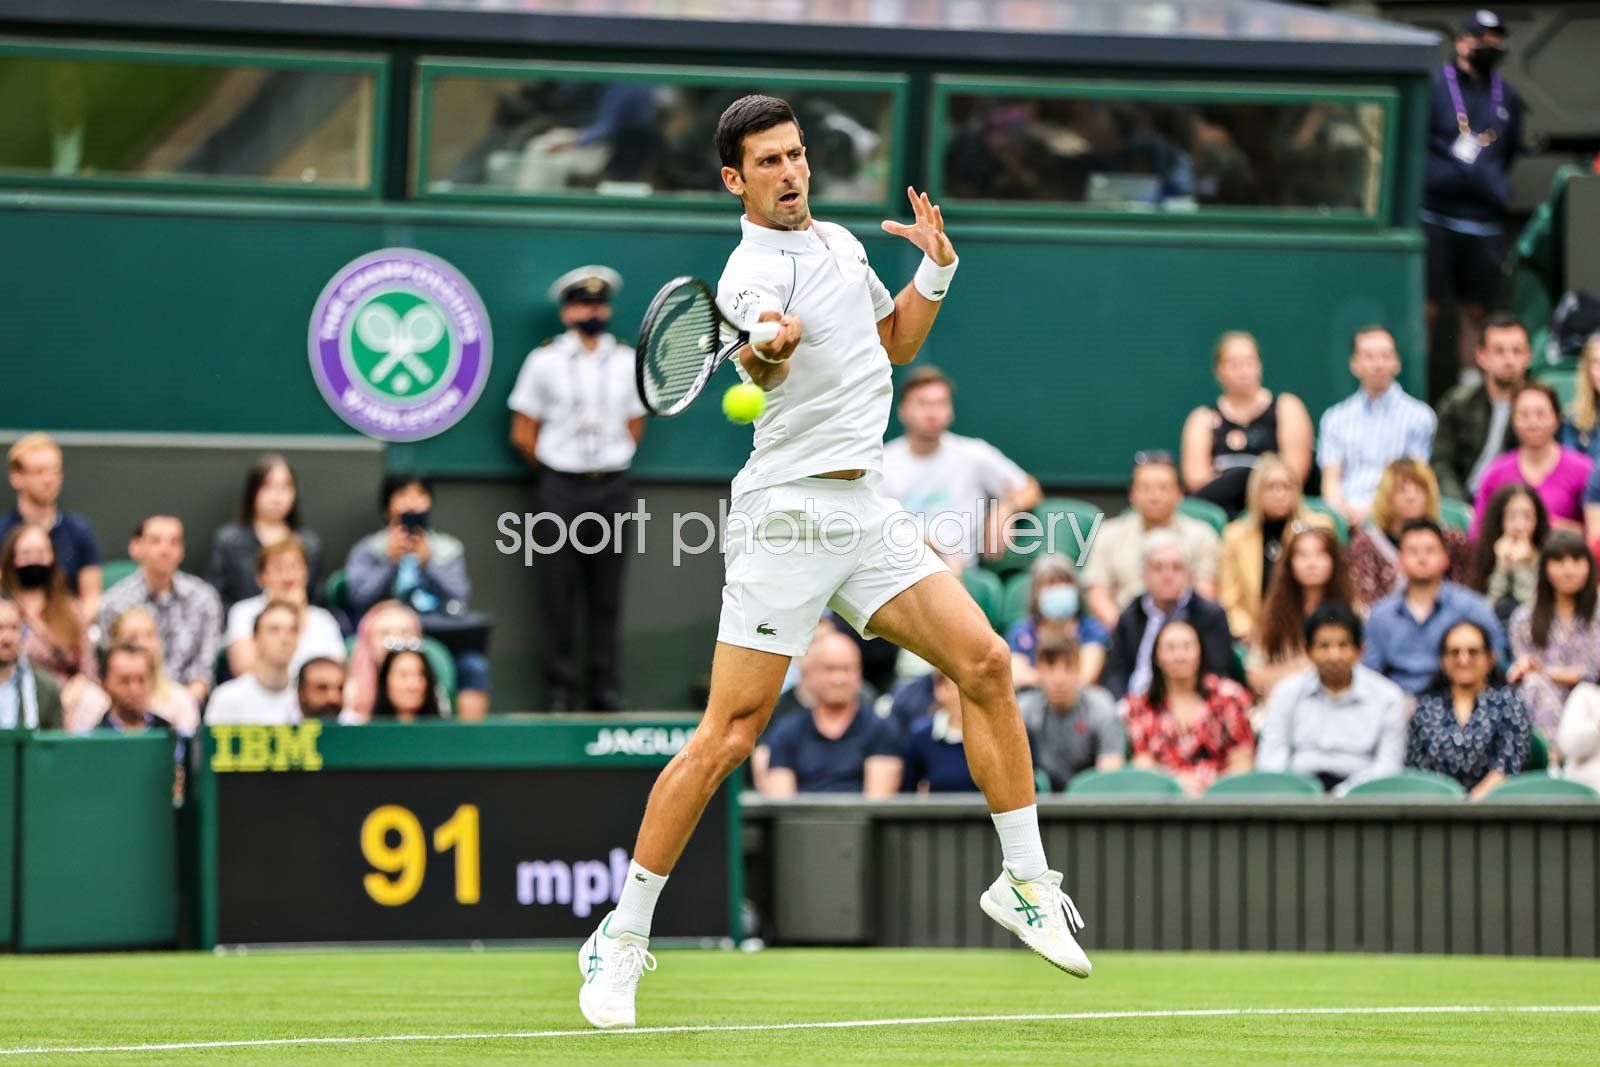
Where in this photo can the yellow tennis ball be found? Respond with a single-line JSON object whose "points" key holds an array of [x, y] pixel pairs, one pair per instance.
{"points": [[743, 402]]}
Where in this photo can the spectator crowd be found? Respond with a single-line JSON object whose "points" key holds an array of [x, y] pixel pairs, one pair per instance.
{"points": [[1432, 609], [164, 648]]}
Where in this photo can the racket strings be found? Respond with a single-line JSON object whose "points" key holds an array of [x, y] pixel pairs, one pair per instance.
{"points": [[679, 348]]}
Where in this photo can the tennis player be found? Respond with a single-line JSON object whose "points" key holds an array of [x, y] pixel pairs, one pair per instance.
{"points": [[809, 529]]}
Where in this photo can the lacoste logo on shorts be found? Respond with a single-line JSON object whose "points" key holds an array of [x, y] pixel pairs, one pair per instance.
{"points": [[765, 631]]}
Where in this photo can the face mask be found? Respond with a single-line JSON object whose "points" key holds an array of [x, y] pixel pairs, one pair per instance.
{"points": [[1485, 58], [590, 327], [33, 575], [1059, 602]]}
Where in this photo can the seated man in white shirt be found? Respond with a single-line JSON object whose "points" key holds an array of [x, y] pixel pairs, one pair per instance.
{"points": [[962, 490], [265, 696], [1338, 721], [281, 570]]}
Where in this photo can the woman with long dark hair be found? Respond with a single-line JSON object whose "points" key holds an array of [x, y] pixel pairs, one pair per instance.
{"points": [[1190, 723], [1311, 573], [1469, 724], [57, 640], [269, 512], [407, 686], [1555, 641], [1505, 556]]}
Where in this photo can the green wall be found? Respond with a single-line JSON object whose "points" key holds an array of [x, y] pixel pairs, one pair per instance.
{"points": [[1072, 348]]}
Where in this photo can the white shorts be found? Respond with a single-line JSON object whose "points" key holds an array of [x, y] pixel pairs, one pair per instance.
{"points": [[792, 550]]}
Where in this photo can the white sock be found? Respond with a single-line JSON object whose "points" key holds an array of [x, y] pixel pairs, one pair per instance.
{"points": [[638, 903], [1021, 850]]}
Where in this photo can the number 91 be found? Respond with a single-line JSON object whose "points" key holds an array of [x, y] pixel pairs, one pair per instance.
{"points": [[404, 863]]}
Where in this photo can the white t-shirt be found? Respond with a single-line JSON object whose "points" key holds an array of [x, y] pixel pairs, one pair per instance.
{"points": [[583, 401], [244, 701], [319, 635], [831, 411], [949, 489]]}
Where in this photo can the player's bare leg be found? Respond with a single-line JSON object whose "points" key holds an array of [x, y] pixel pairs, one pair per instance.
{"points": [[745, 684], [937, 620]]}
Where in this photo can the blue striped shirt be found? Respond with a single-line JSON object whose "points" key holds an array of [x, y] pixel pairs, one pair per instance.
{"points": [[1364, 436]]}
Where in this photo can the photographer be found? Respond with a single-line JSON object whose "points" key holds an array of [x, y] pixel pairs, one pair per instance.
{"points": [[426, 570]]}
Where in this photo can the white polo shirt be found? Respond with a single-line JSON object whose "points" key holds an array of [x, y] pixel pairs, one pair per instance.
{"points": [[583, 401], [831, 411]]}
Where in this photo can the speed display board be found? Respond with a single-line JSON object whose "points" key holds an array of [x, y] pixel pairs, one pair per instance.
{"points": [[444, 832]]}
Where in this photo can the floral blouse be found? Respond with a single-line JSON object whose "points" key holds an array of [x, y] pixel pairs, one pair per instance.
{"points": [[1568, 645], [1495, 738], [1373, 561], [1204, 748]]}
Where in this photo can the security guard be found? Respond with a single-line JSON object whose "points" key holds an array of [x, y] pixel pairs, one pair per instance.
{"points": [[576, 418]]}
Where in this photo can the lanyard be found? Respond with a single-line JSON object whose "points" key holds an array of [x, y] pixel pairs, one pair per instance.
{"points": [[1496, 91]]}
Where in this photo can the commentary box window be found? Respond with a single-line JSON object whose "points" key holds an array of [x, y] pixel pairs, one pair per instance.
{"points": [[189, 119], [1088, 148], [584, 134]]}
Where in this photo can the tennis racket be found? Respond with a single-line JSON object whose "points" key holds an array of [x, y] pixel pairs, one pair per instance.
{"points": [[680, 345]]}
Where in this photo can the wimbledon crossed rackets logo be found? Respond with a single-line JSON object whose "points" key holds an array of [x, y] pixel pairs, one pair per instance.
{"points": [[400, 344]]}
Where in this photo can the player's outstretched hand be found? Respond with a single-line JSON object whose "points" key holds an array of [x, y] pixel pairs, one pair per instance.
{"points": [[927, 232]]}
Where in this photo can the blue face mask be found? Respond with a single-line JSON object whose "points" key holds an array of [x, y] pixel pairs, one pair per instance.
{"points": [[1058, 602]]}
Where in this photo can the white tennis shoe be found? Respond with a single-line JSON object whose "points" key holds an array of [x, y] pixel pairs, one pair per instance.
{"points": [[611, 969], [1042, 917]]}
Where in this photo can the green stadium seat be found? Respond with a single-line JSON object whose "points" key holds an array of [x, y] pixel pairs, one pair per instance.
{"points": [[1563, 379], [444, 667], [1061, 511], [1322, 507], [1014, 604], [1265, 784], [113, 571], [1205, 511], [1538, 753], [986, 589], [1455, 514], [1409, 783], [1128, 781], [334, 594], [1535, 788]]}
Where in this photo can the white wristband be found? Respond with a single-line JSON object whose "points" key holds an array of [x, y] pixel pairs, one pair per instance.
{"points": [[932, 280], [754, 351]]}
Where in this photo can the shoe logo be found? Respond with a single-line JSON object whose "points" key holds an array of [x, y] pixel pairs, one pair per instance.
{"points": [[594, 968], [1030, 911], [765, 631]]}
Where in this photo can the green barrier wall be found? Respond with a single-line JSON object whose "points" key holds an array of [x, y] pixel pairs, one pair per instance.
{"points": [[10, 742], [1071, 347], [97, 843]]}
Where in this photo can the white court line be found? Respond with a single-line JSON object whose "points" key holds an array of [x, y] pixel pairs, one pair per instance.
{"points": [[839, 1024]]}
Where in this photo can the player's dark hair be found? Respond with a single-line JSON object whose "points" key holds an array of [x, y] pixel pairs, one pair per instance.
{"points": [[747, 115], [398, 480], [1336, 614], [1500, 320]]}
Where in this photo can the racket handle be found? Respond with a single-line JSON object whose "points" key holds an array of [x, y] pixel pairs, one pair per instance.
{"points": [[764, 333]]}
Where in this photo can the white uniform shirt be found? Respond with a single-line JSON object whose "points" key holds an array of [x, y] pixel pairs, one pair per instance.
{"points": [[583, 401], [319, 634], [831, 411], [949, 490], [246, 702]]}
